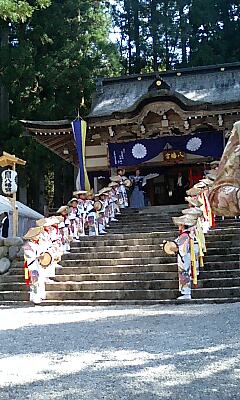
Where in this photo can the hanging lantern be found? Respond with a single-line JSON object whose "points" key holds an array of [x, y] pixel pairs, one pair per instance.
{"points": [[9, 181]]}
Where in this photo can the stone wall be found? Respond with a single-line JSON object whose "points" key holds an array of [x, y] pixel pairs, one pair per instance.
{"points": [[11, 252]]}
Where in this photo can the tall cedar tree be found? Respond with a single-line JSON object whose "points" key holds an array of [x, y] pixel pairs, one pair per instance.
{"points": [[49, 66], [174, 33]]}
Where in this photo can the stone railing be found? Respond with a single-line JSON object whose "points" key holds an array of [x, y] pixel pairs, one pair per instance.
{"points": [[11, 252]]}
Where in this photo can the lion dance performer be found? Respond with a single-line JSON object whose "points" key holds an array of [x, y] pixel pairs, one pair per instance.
{"points": [[224, 196]]}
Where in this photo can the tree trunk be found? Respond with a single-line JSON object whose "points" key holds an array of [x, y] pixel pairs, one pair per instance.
{"points": [[167, 51], [183, 36], [4, 97], [166, 33], [136, 23], [154, 31], [127, 7]]}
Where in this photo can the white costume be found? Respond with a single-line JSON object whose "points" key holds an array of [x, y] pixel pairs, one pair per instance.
{"points": [[123, 199], [91, 218], [32, 252]]}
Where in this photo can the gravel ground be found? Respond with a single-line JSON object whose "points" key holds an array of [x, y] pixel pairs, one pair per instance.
{"points": [[144, 353]]}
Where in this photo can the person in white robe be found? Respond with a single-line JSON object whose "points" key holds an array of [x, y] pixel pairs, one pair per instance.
{"points": [[33, 252], [184, 255]]}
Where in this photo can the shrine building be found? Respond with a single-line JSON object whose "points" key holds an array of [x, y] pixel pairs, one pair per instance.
{"points": [[170, 123]]}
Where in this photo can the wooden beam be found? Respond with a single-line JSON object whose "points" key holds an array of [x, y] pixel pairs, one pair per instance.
{"points": [[9, 159]]}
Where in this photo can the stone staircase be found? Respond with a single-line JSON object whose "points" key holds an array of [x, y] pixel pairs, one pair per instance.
{"points": [[128, 266]]}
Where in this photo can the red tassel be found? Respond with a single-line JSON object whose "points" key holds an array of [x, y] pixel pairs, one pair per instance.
{"points": [[26, 273], [213, 221], [195, 286]]}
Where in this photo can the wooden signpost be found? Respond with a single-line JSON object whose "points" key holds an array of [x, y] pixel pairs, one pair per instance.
{"points": [[11, 160]]}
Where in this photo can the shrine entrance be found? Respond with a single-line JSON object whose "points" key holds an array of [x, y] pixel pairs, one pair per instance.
{"points": [[170, 186]]}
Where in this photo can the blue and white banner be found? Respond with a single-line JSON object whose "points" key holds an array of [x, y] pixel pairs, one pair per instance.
{"points": [[79, 128], [207, 144]]}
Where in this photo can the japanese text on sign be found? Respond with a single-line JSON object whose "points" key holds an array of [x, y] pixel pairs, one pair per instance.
{"points": [[174, 155], [9, 182]]}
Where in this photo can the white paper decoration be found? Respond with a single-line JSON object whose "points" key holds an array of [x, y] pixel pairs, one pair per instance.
{"points": [[194, 144], [139, 151], [9, 181]]}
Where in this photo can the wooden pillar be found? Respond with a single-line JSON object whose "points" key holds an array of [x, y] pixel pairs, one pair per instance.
{"points": [[15, 210]]}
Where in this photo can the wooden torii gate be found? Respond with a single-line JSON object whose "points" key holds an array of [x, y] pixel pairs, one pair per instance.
{"points": [[11, 160]]}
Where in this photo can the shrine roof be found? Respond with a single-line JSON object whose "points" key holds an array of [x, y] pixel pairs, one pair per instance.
{"points": [[196, 86], [48, 124], [55, 135]]}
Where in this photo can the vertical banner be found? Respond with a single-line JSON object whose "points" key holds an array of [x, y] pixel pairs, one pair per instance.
{"points": [[80, 131]]}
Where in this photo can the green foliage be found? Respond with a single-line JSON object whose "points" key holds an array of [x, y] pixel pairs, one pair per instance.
{"points": [[55, 58], [15, 10], [174, 33], [49, 66]]}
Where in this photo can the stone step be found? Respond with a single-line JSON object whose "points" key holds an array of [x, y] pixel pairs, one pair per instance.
{"points": [[151, 218], [118, 253], [12, 278], [130, 276], [211, 241], [160, 210], [109, 285], [150, 229], [121, 276], [102, 303], [225, 273], [219, 282], [157, 221], [220, 265], [216, 292], [115, 248], [140, 227], [223, 250], [14, 286], [126, 236], [109, 269], [73, 269], [128, 266], [163, 294], [218, 237], [112, 254], [144, 247], [152, 235], [137, 230], [139, 259], [226, 230], [129, 285], [14, 296], [79, 262]]}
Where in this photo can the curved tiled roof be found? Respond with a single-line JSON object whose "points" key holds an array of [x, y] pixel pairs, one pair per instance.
{"points": [[214, 85]]}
